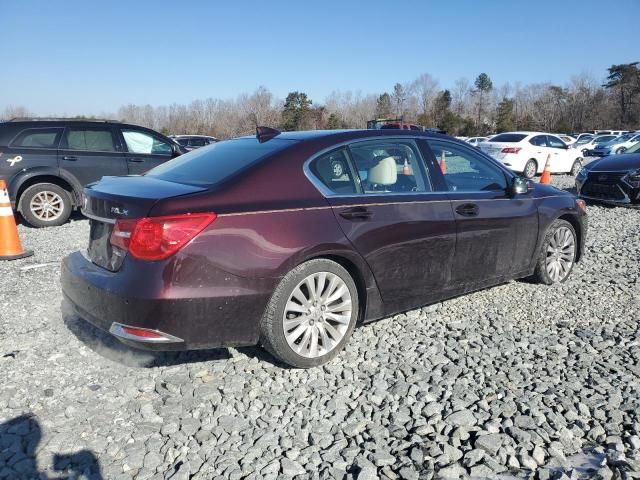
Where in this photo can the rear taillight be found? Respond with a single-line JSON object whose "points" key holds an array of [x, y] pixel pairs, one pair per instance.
{"points": [[511, 149], [156, 238]]}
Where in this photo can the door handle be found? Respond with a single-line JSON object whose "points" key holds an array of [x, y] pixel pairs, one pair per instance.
{"points": [[70, 158], [356, 213], [467, 209], [136, 160]]}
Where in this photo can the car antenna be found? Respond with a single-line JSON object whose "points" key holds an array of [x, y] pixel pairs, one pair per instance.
{"points": [[264, 134]]}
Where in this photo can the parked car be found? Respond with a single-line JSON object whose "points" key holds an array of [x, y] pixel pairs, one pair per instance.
{"points": [[291, 239], [527, 153], [585, 146], [476, 140], [46, 162], [582, 136], [613, 179], [191, 142], [616, 146]]}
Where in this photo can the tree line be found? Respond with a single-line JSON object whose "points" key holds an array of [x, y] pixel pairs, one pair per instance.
{"points": [[464, 108]]}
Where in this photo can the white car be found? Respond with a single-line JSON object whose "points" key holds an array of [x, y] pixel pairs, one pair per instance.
{"points": [[527, 153], [568, 139], [475, 140], [585, 145], [616, 146]]}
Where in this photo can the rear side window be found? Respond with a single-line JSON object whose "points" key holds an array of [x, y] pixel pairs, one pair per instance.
{"points": [[211, 166], [183, 141], [38, 138], [333, 171], [197, 142], [508, 138], [90, 139]]}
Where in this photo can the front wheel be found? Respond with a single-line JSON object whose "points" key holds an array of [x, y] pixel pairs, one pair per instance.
{"points": [[575, 168], [620, 150], [311, 314], [557, 255], [530, 169]]}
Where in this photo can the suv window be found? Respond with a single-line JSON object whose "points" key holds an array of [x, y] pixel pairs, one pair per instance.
{"points": [[38, 138], [389, 166], [539, 141], [143, 142], [212, 166], [466, 169], [95, 139], [555, 142], [334, 172]]}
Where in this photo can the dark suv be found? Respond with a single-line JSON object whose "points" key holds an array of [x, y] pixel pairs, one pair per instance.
{"points": [[46, 162]]}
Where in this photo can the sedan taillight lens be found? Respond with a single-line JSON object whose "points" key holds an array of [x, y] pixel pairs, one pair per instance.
{"points": [[157, 238], [511, 149]]}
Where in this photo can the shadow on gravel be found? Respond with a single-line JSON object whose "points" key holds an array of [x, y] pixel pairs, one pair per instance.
{"points": [[20, 436], [112, 349], [75, 216]]}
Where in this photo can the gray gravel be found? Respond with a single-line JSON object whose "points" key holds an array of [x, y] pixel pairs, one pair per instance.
{"points": [[519, 380]]}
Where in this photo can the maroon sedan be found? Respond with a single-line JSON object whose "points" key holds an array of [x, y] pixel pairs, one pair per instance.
{"points": [[290, 240]]}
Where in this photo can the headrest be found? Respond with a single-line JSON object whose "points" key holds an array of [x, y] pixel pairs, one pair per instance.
{"points": [[384, 173]]}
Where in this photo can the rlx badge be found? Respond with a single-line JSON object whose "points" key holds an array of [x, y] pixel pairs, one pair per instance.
{"points": [[119, 211]]}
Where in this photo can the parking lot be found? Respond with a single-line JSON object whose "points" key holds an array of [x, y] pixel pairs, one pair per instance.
{"points": [[510, 380]]}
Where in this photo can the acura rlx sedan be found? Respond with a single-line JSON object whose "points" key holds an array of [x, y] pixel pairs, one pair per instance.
{"points": [[614, 179], [290, 240]]}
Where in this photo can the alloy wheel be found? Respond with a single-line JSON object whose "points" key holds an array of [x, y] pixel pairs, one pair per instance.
{"points": [[530, 169], [47, 205], [317, 314], [560, 254]]}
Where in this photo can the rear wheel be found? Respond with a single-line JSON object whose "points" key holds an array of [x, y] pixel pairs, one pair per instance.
{"points": [[530, 169], [45, 205], [311, 314], [557, 255], [575, 168]]}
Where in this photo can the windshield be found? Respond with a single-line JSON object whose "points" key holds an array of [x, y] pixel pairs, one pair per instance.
{"points": [[210, 166], [605, 138]]}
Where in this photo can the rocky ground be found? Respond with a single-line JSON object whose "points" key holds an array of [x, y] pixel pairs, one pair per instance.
{"points": [[515, 381]]}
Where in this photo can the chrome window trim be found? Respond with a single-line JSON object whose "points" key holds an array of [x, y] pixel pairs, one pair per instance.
{"points": [[99, 219]]}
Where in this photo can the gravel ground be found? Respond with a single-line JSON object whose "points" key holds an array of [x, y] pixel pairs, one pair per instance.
{"points": [[516, 381]]}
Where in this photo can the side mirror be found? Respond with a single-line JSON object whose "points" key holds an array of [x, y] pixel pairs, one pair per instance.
{"points": [[521, 185]]}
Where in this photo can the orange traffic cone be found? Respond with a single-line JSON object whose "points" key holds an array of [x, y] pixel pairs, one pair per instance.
{"points": [[443, 163], [405, 168], [546, 174], [10, 246]]}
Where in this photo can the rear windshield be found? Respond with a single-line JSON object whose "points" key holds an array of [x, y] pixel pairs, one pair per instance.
{"points": [[212, 165], [508, 138]]}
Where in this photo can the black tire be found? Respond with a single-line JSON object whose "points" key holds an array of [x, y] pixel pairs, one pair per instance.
{"points": [[37, 219], [620, 150], [541, 275], [575, 168], [272, 328], [530, 169]]}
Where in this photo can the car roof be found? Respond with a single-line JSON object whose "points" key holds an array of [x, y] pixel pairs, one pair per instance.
{"points": [[304, 135]]}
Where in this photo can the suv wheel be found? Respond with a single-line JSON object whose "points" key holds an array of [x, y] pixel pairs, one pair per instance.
{"points": [[558, 254], [311, 314], [45, 205]]}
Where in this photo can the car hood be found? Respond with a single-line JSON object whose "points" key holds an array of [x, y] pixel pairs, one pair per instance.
{"points": [[626, 161]]}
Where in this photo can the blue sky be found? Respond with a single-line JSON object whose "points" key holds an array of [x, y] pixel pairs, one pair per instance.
{"points": [[86, 57]]}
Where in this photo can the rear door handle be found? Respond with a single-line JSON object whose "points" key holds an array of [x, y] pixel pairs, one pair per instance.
{"points": [[70, 158], [136, 160], [467, 209], [356, 213]]}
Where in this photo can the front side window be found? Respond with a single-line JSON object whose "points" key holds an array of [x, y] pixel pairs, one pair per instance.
{"points": [[389, 167], [333, 170], [90, 139], [38, 138], [555, 142], [197, 142], [465, 170], [145, 143]]}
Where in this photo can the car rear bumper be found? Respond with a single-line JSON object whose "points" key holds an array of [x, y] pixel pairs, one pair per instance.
{"points": [[228, 315]]}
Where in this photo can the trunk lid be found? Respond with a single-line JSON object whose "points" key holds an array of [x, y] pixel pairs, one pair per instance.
{"points": [[129, 197]]}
